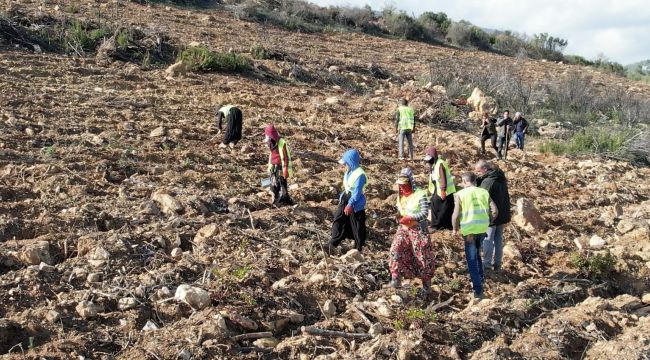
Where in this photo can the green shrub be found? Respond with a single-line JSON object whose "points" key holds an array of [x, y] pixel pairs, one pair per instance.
{"points": [[589, 141], [122, 39], [596, 265], [202, 59]]}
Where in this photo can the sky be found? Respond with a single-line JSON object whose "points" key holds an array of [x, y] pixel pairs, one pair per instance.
{"points": [[617, 29]]}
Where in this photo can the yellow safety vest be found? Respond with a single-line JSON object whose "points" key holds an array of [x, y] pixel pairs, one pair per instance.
{"points": [[226, 109], [474, 210], [281, 145], [352, 180], [434, 178], [406, 118], [412, 207]]}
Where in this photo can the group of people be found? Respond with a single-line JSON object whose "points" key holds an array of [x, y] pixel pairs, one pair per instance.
{"points": [[499, 132], [476, 213]]}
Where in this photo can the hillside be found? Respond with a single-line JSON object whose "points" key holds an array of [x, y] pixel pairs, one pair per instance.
{"points": [[108, 168]]}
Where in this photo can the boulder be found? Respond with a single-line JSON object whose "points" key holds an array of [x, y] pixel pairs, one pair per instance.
{"points": [[35, 253], [168, 204], [481, 103], [195, 297], [178, 69], [528, 217], [205, 233], [329, 309]]}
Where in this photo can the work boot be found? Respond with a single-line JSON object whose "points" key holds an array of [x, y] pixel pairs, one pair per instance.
{"points": [[479, 296]]}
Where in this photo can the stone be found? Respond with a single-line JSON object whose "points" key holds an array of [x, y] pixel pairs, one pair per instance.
{"points": [[317, 278], [440, 89], [396, 299], [481, 103], [99, 257], [127, 303], [511, 252], [241, 321], [36, 253], [352, 256], [94, 277], [596, 242], [333, 69], [528, 217], [178, 69], [150, 326], [269, 342], [158, 132], [87, 309], [205, 233], [329, 309], [168, 204], [625, 226], [195, 297], [295, 317], [45, 267], [332, 100], [646, 298], [52, 316], [184, 355], [376, 329], [163, 293], [177, 253]]}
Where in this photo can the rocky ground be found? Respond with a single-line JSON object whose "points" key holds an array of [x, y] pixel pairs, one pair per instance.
{"points": [[126, 232]]}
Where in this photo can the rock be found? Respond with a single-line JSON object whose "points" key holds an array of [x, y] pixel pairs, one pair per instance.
{"points": [[205, 233], [376, 329], [440, 89], [149, 326], [163, 293], [127, 303], [511, 252], [99, 257], [52, 316], [396, 299], [177, 253], [158, 132], [168, 204], [269, 342], [295, 317], [194, 44], [626, 302], [87, 309], [352, 256], [45, 267], [94, 277], [36, 253], [241, 321], [580, 243], [317, 278], [527, 216], [596, 242], [184, 355], [178, 69], [332, 100], [625, 226], [329, 309], [646, 298], [195, 297], [333, 69], [482, 103]]}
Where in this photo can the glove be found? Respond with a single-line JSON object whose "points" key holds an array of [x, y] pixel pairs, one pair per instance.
{"points": [[443, 194], [285, 173], [406, 220], [348, 210]]}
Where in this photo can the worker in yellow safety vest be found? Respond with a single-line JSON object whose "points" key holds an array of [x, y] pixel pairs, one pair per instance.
{"points": [[280, 165], [405, 127], [441, 188], [472, 214], [350, 219]]}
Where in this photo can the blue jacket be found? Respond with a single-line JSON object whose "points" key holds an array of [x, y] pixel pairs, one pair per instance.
{"points": [[357, 198]]}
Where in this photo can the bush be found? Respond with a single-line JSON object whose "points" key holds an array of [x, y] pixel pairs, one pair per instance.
{"points": [[596, 265], [594, 140], [467, 35], [202, 59], [402, 25], [437, 23]]}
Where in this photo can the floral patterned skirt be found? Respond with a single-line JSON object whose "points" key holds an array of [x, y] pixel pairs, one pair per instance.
{"points": [[411, 255]]}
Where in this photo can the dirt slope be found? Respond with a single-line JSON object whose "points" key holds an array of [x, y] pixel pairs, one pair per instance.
{"points": [[106, 169]]}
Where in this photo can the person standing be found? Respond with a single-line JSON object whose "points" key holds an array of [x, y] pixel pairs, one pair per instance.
{"points": [[280, 165], [489, 131], [441, 188], [411, 253], [405, 126], [521, 129], [492, 179], [504, 129], [350, 219], [472, 214], [234, 119]]}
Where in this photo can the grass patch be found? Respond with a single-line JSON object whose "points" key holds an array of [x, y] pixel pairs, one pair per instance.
{"points": [[589, 141], [595, 266], [202, 59]]}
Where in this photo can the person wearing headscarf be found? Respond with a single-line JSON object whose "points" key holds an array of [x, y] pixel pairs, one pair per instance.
{"points": [[411, 253], [441, 188], [234, 119], [280, 165]]}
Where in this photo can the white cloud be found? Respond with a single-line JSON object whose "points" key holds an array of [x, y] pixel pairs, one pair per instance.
{"points": [[618, 29]]}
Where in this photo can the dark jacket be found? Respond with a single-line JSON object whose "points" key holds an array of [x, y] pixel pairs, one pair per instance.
{"points": [[496, 184]]}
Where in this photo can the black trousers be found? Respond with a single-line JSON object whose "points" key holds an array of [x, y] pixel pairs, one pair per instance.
{"points": [[493, 138], [279, 188], [348, 227], [441, 212], [233, 126]]}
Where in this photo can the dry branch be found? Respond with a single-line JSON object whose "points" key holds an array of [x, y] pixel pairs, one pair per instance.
{"points": [[311, 330], [257, 335]]}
